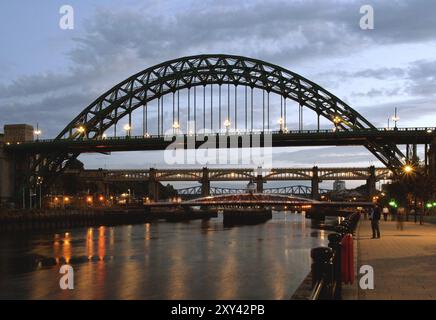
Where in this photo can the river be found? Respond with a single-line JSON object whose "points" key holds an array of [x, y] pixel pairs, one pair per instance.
{"points": [[162, 260]]}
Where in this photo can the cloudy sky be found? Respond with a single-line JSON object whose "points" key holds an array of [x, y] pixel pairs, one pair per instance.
{"points": [[48, 75]]}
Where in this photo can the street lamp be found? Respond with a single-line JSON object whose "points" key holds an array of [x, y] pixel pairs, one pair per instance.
{"points": [[39, 184], [81, 129], [227, 124], [280, 122], [395, 118], [37, 132], [337, 120], [408, 169], [127, 128], [176, 126]]}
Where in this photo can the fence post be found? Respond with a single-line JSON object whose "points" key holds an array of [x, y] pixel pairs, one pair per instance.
{"points": [[335, 243]]}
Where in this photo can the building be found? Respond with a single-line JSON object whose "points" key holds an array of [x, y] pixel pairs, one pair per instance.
{"points": [[339, 185]]}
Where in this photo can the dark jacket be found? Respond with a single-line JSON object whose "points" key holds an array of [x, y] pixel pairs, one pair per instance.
{"points": [[377, 214]]}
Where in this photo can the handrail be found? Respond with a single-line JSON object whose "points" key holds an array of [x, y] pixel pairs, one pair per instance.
{"points": [[317, 290], [338, 131], [326, 262]]}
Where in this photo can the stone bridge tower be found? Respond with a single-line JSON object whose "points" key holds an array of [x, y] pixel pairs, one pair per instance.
{"points": [[12, 169]]}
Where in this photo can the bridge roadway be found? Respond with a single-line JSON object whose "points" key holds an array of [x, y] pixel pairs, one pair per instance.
{"points": [[236, 174], [258, 176], [303, 203], [298, 190], [230, 139]]}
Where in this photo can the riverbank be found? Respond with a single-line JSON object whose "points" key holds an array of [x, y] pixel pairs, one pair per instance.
{"points": [[12, 220]]}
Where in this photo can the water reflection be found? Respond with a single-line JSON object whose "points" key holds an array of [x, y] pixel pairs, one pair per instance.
{"points": [[195, 260]]}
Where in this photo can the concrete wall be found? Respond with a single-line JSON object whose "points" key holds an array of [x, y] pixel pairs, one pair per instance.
{"points": [[12, 133]]}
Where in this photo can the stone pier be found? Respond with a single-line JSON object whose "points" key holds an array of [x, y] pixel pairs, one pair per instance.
{"points": [[11, 169]]}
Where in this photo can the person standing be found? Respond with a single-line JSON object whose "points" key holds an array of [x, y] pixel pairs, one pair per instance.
{"points": [[401, 212], [375, 222], [413, 213], [385, 213], [420, 214]]}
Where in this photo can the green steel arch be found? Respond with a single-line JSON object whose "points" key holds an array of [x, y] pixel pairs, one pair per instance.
{"points": [[201, 70]]}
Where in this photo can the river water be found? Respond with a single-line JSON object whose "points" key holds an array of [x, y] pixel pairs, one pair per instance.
{"points": [[162, 260]]}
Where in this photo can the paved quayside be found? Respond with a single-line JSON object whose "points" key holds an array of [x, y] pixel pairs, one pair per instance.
{"points": [[404, 262]]}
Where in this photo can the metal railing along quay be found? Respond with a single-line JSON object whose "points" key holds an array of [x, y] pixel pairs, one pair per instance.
{"points": [[327, 263]]}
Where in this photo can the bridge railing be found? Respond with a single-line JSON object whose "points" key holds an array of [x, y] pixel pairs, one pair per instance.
{"points": [[326, 262], [429, 130]]}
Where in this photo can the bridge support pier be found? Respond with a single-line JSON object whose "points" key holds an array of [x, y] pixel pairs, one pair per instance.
{"points": [[12, 169], [259, 183], [153, 186], [315, 183], [370, 183], [205, 183]]}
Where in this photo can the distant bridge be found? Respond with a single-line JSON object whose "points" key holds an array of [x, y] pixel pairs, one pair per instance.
{"points": [[258, 176], [260, 199], [298, 190]]}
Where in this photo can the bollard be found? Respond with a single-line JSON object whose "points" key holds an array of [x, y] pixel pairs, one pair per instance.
{"points": [[341, 230], [322, 269], [335, 243]]}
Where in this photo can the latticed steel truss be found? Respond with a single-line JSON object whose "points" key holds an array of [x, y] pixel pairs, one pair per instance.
{"points": [[201, 70]]}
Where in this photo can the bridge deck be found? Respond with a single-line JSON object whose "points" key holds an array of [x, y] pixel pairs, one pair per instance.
{"points": [[231, 140]]}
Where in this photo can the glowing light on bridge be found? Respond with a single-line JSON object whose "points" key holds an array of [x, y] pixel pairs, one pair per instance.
{"points": [[176, 125], [407, 169], [127, 127], [337, 119], [81, 129], [227, 123], [280, 122]]}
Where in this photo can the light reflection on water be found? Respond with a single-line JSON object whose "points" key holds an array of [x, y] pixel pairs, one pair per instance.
{"points": [[185, 260]]}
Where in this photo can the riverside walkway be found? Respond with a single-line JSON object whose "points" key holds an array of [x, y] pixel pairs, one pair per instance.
{"points": [[404, 262]]}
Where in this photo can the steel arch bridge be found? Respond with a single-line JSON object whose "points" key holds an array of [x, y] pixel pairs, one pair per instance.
{"points": [[298, 190], [144, 89]]}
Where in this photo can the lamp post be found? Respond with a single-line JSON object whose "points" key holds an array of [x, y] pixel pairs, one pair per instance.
{"points": [[39, 184], [128, 129], [37, 132], [81, 130], [227, 124], [280, 122], [176, 127], [395, 118]]}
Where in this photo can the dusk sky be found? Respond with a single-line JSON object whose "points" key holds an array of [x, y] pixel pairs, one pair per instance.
{"points": [[49, 75]]}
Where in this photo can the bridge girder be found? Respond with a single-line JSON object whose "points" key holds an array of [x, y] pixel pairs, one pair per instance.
{"points": [[230, 174], [201, 70]]}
